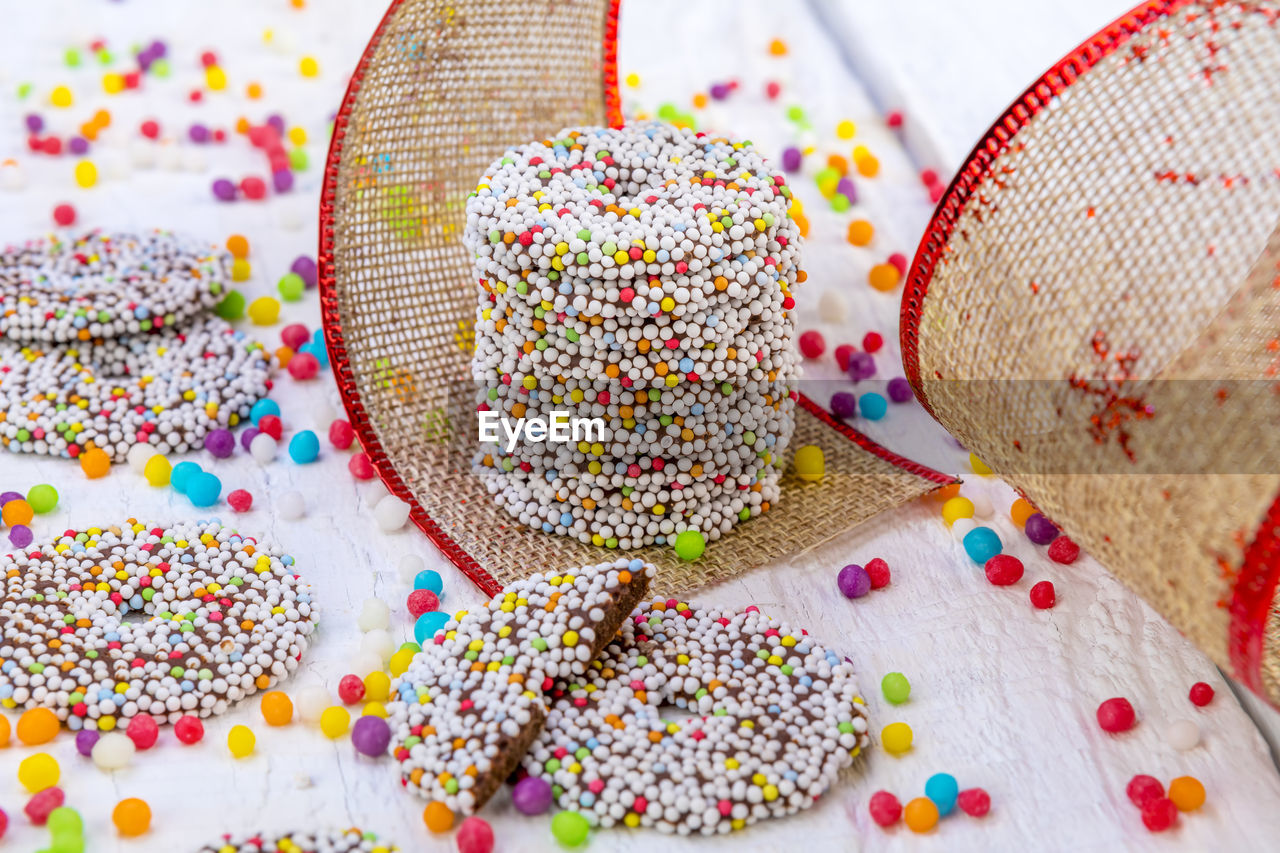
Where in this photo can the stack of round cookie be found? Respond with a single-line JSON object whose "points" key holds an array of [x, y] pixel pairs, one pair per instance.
{"points": [[108, 340], [641, 277]]}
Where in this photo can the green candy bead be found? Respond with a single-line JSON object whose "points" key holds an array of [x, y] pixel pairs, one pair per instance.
{"points": [[896, 688], [43, 498], [690, 544], [231, 307], [291, 287], [570, 828]]}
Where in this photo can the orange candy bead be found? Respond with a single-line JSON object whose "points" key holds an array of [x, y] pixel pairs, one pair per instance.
{"points": [[277, 708], [946, 493], [17, 512], [438, 817], [95, 463], [4, 730], [1187, 793], [884, 277], [1021, 511], [132, 817], [860, 232], [921, 815], [37, 726], [777, 47], [238, 246]]}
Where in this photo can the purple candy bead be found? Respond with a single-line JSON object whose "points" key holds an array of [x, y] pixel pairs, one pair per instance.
{"points": [[78, 145], [20, 535], [158, 49], [220, 442], [900, 389], [5, 497], [720, 91], [282, 180], [846, 188], [85, 739], [35, 123], [791, 158], [198, 133], [277, 121], [371, 735], [532, 795], [861, 366], [224, 190], [247, 437], [854, 581], [844, 405], [306, 270], [1040, 530]]}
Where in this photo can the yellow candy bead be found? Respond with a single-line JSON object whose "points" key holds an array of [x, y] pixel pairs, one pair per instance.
{"points": [[157, 470], [375, 709], [955, 509], [39, 771], [112, 83], [86, 174], [334, 721], [979, 467], [633, 80], [215, 78], [240, 270], [400, 661], [377, 687], [810, 464], [308, 67], [1187, 793], [241, 741], [921, 815], [846, 129], [60, 97], [264, 311], [896, 738]]}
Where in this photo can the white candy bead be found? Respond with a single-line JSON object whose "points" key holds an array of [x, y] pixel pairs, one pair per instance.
{"points": [[374, 615], [833, 307], [981, 503], [375, 492], [363, 663], [410, 565], [291, 506], [1183, 735], [391, 513], [961, 527], [113, 751], [311, 703], [378, 642], [138, 457], [263, 448]]}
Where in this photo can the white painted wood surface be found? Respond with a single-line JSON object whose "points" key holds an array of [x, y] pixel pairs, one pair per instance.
{"points": [[1003, 695]]}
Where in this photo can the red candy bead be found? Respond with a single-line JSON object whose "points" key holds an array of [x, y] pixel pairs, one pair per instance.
{"points": [[38, 808], [360, 467], [872, 341], [253, 188], [271, 425], [208, 58], [772, 89], [843, 353], [1063, 550], [294, 336], [341, 434], [1201, 694], [1142, 789], [1159, 814], [1043, 595], [4, 822], [240, 500], [475, 836], [885, 808], [899, 262], [1004, 569], [812, 344], [1116, 715], [350, 689], [878, 570], [422, 601], [303, 366], [188, 729], [894, 119], [143, 731], [64, 215], [974, 802], [150, 129]]}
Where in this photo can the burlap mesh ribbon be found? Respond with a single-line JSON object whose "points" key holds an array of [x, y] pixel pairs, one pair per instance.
{"points": [[1095, 311], [441, 91]]}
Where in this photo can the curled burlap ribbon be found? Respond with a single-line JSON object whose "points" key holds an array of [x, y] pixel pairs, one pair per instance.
{"points": [[1095, 311], [441, 91]]}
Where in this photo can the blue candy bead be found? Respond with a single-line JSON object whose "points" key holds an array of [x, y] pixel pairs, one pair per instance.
{"points": [[304, 447], [981, 544], [429, 579], [262, 408], [428, 625], [180, 476], [873, 406], [943, 789], [203, 489]]}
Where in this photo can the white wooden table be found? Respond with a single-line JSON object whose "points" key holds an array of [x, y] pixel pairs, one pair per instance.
{"points": [[1002, 695]]}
